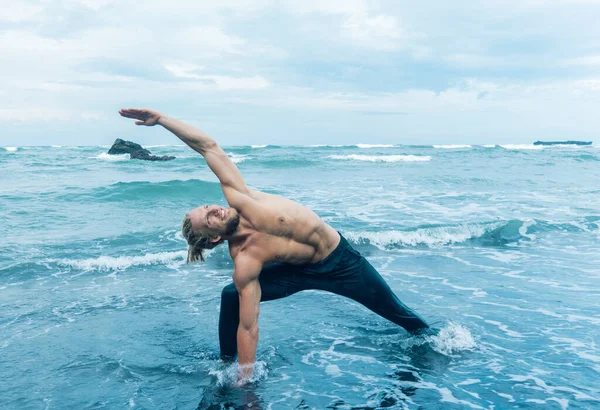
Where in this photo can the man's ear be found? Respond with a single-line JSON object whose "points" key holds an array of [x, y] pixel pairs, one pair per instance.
{"points": [[215, 239]]}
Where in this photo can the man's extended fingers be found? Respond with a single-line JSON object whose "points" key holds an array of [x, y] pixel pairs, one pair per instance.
{"points": [[130, 112], [127, 114]]}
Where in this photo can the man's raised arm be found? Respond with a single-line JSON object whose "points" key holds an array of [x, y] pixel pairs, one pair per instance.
{"points": [[217, 160]]}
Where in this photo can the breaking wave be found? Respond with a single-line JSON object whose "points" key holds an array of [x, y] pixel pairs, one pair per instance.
{"points": [[109, 157], [482, 234], [522, 146], [237, 158], [382, 158], [451, 146], [375, 145], [109, 263]]}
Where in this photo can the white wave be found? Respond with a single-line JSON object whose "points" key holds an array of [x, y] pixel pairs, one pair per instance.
{"points": [[108, 157], [237, 158], [521, 146], [523, 229], [451, 146], [11, 149], [375, 145], [108, 263], [489, 146], [383, 158], [258, 146], [504, 328], [550, 389], [453, 338], [423, 236], [56, 146]]}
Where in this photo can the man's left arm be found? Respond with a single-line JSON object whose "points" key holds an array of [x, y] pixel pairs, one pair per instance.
{"points": [[245, 278]]}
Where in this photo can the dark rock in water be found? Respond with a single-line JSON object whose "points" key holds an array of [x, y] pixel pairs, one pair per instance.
{"points": [[124, 147], [562, 143], [145, 154], [135, 150]]}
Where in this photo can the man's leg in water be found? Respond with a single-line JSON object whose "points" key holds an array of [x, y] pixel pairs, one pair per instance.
{"points": [[362, 283]]}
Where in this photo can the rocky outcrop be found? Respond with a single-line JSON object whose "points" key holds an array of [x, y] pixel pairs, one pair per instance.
{"points": [[135, 151]]}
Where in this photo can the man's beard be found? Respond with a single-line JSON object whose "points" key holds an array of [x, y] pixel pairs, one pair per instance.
{"points": [[232, 224]]}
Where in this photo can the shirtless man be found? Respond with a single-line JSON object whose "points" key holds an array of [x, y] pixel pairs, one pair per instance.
{"points": [[278, 247]]}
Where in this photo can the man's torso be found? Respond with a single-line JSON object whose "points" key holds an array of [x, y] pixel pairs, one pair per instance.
{"points": [[284, 231]]}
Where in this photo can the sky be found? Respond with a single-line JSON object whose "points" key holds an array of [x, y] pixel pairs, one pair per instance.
{"points": [[301, 71]]}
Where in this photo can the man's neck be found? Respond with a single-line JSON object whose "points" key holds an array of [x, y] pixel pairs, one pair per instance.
{"points": [[242, 232]]}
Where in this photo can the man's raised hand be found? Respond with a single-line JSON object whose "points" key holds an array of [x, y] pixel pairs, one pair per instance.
{"points": [[144, 116]]}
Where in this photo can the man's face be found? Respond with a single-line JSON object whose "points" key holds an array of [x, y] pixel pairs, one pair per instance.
{"points": [[213, 220]]}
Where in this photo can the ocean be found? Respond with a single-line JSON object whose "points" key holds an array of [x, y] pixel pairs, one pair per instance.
{"points": [[497, 246]]}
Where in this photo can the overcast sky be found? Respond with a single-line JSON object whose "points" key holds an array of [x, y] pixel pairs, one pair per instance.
{"points": [[301, 72]]}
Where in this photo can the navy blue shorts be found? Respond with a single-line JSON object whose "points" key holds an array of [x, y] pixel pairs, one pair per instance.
{"points": [[344, 272]]}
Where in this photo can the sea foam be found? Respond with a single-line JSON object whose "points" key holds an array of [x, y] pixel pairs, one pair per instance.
{"points": [[443, 235], [375, 145], [109, 263], [521, 146], [451, 146], [11, 149], [112, 158], [237, 158], [382, 158]]}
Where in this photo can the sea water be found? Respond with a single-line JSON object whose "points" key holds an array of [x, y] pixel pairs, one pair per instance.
{"points": [[496, 246]]}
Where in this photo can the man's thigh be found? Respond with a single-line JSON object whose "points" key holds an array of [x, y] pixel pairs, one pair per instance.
{"points": [[280, 280]]}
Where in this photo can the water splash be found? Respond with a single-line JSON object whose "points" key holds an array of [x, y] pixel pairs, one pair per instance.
{"points": [[452, 339], [230, 375], [447, 341]]}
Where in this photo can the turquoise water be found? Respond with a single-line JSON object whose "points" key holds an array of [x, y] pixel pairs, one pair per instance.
{"points": [[497, 246]]}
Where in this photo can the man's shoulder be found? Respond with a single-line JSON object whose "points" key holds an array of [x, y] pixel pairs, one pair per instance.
{"points": [[247, 268]]}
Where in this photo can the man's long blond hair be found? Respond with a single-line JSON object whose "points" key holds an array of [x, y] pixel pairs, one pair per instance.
{"points": [[196, 242]]}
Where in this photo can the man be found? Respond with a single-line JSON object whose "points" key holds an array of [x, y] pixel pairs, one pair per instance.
{"points": [[278, 247]]}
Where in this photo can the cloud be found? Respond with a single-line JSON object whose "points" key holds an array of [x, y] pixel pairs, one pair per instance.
{"points": [[222, 82], [591, 61], [378, 32], [19, 12], [346, 66], [44, 114]]}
